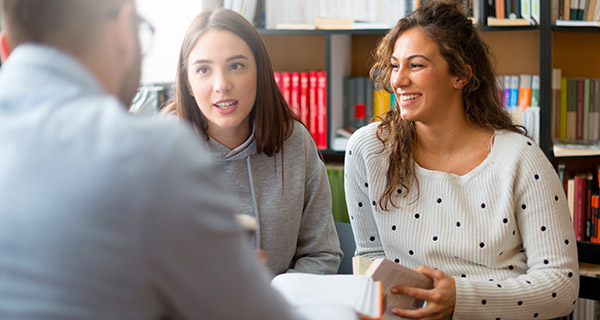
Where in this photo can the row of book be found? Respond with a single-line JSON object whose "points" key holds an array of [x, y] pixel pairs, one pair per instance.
{"points": [[362, 101], [581, 10], [306, 94], [337, 14], [582, 190], [575, 108], [520, 91], [512, 12]]}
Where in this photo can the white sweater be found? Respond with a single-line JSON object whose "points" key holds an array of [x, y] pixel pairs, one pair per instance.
{"points": [[503, 230]]}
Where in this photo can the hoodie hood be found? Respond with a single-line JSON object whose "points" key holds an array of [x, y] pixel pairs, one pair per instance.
{"points": [[243, 151]]}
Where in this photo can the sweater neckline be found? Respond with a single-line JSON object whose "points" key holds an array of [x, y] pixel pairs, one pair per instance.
{"points": [[420, 171]]}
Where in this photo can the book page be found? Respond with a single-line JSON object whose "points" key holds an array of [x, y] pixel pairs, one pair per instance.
{"points": [[329, 292], [360, 265], [392, 274]]}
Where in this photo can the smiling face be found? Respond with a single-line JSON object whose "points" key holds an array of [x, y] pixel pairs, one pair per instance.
{"points": [[420, 79], [222, 78]]}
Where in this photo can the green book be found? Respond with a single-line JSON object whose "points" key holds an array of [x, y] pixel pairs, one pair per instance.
{"points": [[571, 108], [563, 108]]}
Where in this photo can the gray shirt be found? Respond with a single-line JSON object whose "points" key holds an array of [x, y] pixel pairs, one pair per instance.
{"points": [[107, 216]]}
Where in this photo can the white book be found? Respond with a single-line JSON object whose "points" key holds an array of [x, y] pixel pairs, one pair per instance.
{"points": [[535, 11], [333, 296], [526, 9]]}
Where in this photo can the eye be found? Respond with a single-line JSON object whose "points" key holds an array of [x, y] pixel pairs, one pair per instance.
{"points": [[202, 70], [394, 66], [416, 65], [237, 66]]}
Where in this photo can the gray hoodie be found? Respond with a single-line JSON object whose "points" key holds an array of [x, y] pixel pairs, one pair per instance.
{"points": [[295, 224]]}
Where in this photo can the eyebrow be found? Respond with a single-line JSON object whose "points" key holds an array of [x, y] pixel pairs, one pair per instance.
{"points": [[236, 57], [412, 57]]}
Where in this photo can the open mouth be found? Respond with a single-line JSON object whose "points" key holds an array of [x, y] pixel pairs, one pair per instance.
{"points": [[408, 97], [225, 105]]}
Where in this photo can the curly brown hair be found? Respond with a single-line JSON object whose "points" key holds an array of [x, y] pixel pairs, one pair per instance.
{"points": [[446, 23]]}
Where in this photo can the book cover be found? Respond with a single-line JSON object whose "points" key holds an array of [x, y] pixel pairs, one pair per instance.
{"points": [[581, 9], [588, 207], [579, 91], [524, 99], [313, 104], [566, 9], [595, 203], [594, 109], [393, 274], [589, 10], [304, 98], [500, 89], [571, 109], [579, 203], [321, 110], [381, 102], [295, 93]]}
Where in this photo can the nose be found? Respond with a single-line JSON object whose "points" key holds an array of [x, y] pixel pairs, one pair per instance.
{"points": [[222, 83], [399, 78]]}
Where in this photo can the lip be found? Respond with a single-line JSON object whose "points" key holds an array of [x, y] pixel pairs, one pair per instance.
{"points": [[406, 98], [233, 104]]}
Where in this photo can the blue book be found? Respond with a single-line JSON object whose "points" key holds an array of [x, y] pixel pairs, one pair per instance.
{"points": [[514, 91], [506, 89]]}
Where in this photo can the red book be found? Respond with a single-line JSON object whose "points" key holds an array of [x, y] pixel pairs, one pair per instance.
{"points": [[322, 110], [304, 97], [579, 212], [579, 108], [312, 105], [594, 223], [277, 76], [295, 93], [286, 87]]}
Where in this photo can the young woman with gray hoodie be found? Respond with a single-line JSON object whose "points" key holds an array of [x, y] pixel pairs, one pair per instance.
{"points": [[225, 88]]}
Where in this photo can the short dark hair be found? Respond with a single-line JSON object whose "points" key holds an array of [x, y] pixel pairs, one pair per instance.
{"points": [[66, 24]]}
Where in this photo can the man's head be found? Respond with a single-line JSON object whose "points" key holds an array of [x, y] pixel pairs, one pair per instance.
{"points": [[101, 34]]}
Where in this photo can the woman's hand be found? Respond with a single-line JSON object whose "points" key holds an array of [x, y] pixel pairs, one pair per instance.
{"points": [[440, 300]]}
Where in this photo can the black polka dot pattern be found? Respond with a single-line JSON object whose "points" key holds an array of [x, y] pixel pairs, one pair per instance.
{"points": [[399, 191], [350, 152], [529, 143], [417, 216], [553, 294], [435, 238], [439, 200], [555, 198], [537, 177], [567, 242], [523, 206], [543, 228], [394, 228], [483, 302], [481, 245], [463, 275], [483, 206], [360, 204], [458, 224], [366, 184], [374, 203], [372, 238], [505, 220], [411, 252], [520, 303], [397, 260]]}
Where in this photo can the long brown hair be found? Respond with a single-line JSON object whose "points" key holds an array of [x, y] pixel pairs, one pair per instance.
{"points": [[446, 23], [271, 115]]}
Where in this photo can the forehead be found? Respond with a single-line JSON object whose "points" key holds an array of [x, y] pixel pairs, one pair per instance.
{"points": [[219, 44], [414, 41]]}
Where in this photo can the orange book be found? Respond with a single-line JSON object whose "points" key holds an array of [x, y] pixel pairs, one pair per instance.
{"points": [[524, 91]]}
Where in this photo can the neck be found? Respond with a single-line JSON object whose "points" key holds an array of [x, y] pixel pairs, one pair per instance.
{"points": [[230, 137], [446, 139]]}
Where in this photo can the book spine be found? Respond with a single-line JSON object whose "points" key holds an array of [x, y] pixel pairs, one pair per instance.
{"points": [[526, 9], [535, 90], [535, 11], [514, 91], [556, 103], [304, 98], [573, 10], [295, 93], [579, 207], [564, 88], [506, 100], [588, 208], [571, 109], [524, 100], [500, 9], [286, 84], [277, 76], [586, 109], [579, 86], [313, 106], [322, 110]]}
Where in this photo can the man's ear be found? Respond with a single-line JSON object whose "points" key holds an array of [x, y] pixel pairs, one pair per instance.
{"points": [[5, 48], [125, 36]]}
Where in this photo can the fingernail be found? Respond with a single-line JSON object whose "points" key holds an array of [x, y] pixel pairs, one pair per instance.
{"points": [[394, 290]]}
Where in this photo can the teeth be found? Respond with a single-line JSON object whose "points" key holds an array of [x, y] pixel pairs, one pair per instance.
{"points": [[225, 105], [406, 97]]}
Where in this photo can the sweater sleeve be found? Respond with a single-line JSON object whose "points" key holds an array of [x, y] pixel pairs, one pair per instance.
{"points": [[361, 204], [198, 264], [318, 249], [549, 286]]}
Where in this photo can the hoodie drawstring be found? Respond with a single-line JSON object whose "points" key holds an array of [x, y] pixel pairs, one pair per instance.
{"points": [[254, 205]]}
